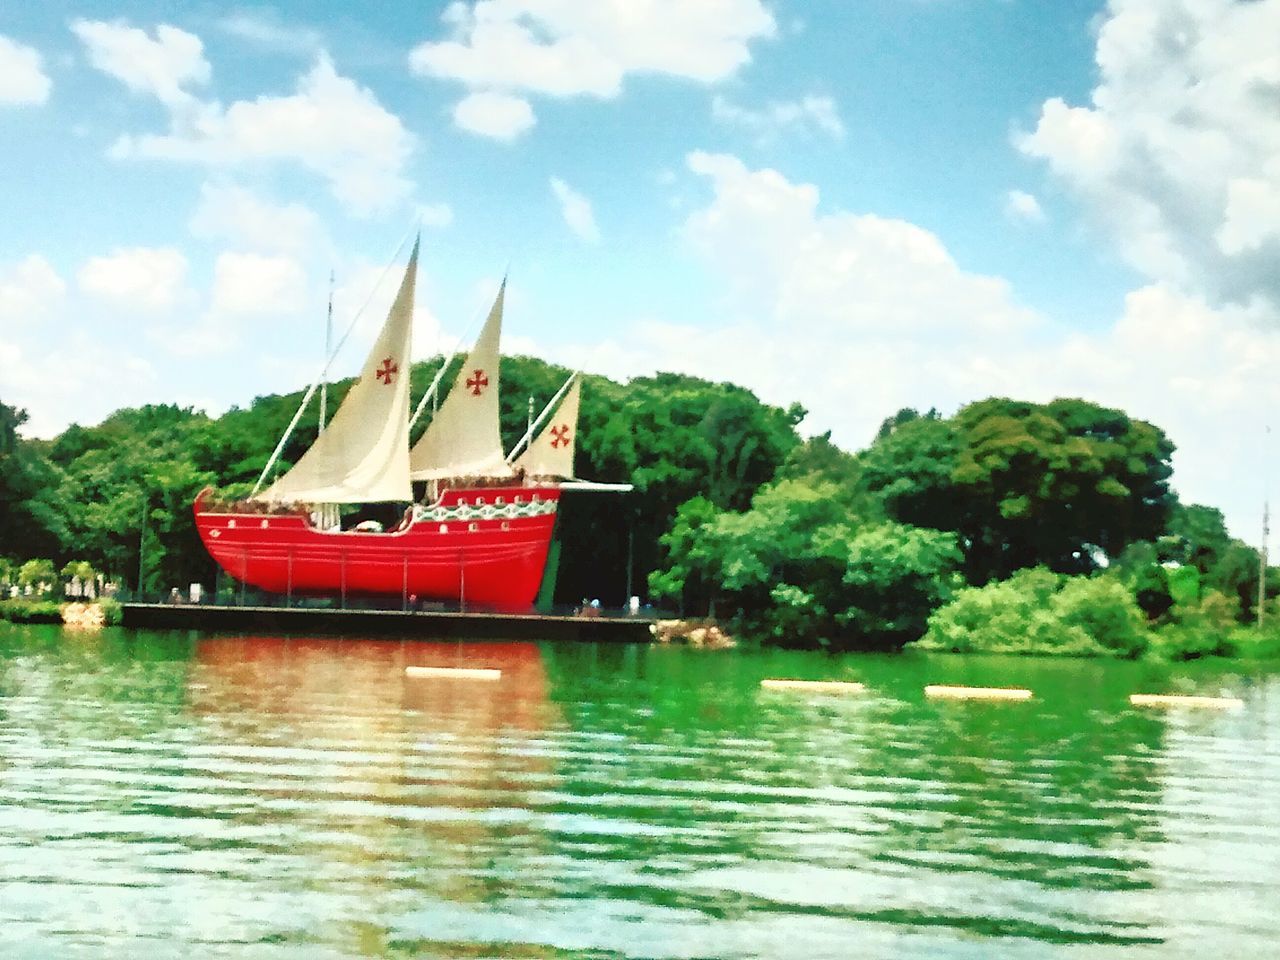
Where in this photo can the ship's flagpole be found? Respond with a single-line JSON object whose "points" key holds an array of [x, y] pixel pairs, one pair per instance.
{"points": [[546, 411]]}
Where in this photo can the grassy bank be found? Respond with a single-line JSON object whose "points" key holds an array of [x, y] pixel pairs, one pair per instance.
{"points": [[23, 610]]}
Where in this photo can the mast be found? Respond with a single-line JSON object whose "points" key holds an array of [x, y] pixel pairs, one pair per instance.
{"points": [[328, 347], [1266, 527], [1262, 561]]}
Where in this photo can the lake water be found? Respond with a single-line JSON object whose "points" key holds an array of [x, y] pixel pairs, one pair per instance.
{"points": [[166, 795]]}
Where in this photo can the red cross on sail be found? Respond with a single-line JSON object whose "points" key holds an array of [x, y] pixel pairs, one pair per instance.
{"points": [[477, 382], [550, 453], [387, 372]]}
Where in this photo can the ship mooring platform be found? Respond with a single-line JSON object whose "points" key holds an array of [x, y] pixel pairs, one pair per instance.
{"points": [[392, 624]]}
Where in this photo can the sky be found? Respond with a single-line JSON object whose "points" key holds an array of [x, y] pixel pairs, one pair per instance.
{"points": [[859, 205]]}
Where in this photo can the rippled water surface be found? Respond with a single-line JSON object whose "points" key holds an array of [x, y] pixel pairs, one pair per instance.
{"points": [[163, 795]]}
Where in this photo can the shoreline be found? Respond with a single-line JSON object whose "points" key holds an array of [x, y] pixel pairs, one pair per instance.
{"points": [[702, 632]]}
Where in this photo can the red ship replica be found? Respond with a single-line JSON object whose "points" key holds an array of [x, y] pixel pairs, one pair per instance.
{"points": [[478, 534]]}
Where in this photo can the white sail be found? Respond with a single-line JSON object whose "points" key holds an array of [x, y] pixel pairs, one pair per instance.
{"points": [[462, 439], [363, 454], [550, 454]]}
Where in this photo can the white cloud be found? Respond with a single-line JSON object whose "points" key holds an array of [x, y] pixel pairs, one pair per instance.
{"points": [[161, 66], [496, 115], [1177, 156], [566, 48], [252, 284], [779, 117], [856, 316], [228, 212], [48, 366], [1206, 376], [1252, 215], [265, 29], [362, 300], [853, 315], [855, 273], [78, 378], [23, 81], [144, 278], [30, 291], [331, 126], [576, 210], [247, 287], [1022, 206]]}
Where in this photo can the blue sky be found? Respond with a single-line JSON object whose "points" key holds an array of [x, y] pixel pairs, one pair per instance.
{"points": [[857, 205]]}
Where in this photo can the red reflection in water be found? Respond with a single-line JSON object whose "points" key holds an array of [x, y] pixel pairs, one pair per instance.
{"points": [[317, 676], [336, 729]]}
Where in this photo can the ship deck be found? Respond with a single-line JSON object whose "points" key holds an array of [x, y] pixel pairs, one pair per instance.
{"points": [[389, 624]]}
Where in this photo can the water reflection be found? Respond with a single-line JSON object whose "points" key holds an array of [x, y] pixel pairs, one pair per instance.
{"points": [[429, 781], [163, 795]]}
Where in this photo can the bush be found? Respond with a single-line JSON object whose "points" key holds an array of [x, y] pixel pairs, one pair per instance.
{"points": [[30, 611], [1206, 628], [1039, 612], [112, 612], [1101, 610], [1256, 644]]}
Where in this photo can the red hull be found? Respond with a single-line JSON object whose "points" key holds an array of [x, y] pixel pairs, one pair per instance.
{"points": [[483, 547]]}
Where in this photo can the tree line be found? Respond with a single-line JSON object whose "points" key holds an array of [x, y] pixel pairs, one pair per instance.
{"points": [[1065, 508]]}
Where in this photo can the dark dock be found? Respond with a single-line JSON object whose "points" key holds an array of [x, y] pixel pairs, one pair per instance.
{"points": [[395, 624]]}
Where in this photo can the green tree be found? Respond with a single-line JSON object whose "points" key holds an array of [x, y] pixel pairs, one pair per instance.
{"points": [[890, 425], [910, 472], [799, 568], [674, 437], [38, 574], [819, 459], [1196, 535], [129, 484], [30, 519], [689, 573], [1063, 484], [1139, 566], [1059, 484], [81, 569], [895, 577]]}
